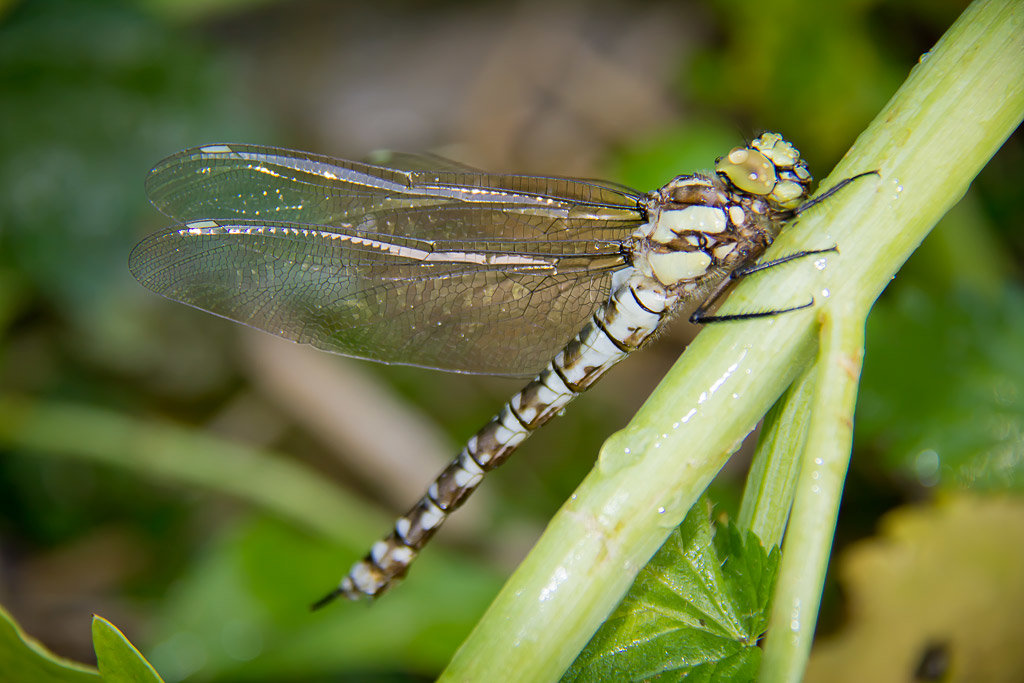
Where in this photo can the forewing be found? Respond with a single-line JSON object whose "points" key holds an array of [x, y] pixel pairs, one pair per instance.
{"points": [[252, 182], [498, 290]]}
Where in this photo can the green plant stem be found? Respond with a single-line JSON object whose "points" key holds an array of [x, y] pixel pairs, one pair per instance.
{"points": [[819, 489], [938, 131], [768, 494]]}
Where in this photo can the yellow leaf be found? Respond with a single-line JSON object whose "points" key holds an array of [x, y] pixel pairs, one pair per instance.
{"points": [[942, 583]]}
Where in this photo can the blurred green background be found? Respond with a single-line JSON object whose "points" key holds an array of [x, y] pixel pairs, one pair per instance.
{"points": [[199, 484]]}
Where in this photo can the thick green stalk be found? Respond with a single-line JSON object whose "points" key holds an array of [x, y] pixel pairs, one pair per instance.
{"points": [[953, 112]]}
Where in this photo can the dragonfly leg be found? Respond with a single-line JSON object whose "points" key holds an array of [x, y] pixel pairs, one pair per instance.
{"points": [[832, 190], [743, 271], [701, 315]]}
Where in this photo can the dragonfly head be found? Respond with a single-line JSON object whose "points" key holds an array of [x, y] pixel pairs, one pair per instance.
{"points": [[768, 167]]}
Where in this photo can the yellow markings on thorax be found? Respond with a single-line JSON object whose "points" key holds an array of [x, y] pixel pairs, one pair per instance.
{"points": [[671, 223], [676, 266]]}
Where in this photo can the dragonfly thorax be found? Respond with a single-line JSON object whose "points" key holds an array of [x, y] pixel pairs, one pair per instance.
{"points": [[701, 227]]}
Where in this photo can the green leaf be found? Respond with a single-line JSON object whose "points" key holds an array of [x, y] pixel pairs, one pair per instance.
{"points": [[24, 659], [696, 610], [941, 398], [119, 661]]}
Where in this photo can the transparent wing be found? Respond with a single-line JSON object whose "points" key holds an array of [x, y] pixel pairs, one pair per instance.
{"points": [[496, 292], [424, 161], [265, 183], [425, 262]]}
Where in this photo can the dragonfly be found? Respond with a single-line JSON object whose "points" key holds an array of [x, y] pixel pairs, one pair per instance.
{"points": [[427, 262]]}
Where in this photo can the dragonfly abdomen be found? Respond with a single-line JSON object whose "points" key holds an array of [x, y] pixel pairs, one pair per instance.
{"points": [[631, 315]]}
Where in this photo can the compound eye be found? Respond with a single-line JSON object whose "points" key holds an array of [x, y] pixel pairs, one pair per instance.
{"points": [[748, 170]]}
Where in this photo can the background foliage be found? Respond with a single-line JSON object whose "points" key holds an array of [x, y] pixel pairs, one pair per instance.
{"points": [[198, 487]]}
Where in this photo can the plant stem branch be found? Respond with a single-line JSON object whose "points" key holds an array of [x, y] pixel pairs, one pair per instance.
{"points": [[818, 492]]}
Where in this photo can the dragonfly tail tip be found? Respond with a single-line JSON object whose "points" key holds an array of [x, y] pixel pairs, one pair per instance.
{"points": [[326, 600]]}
